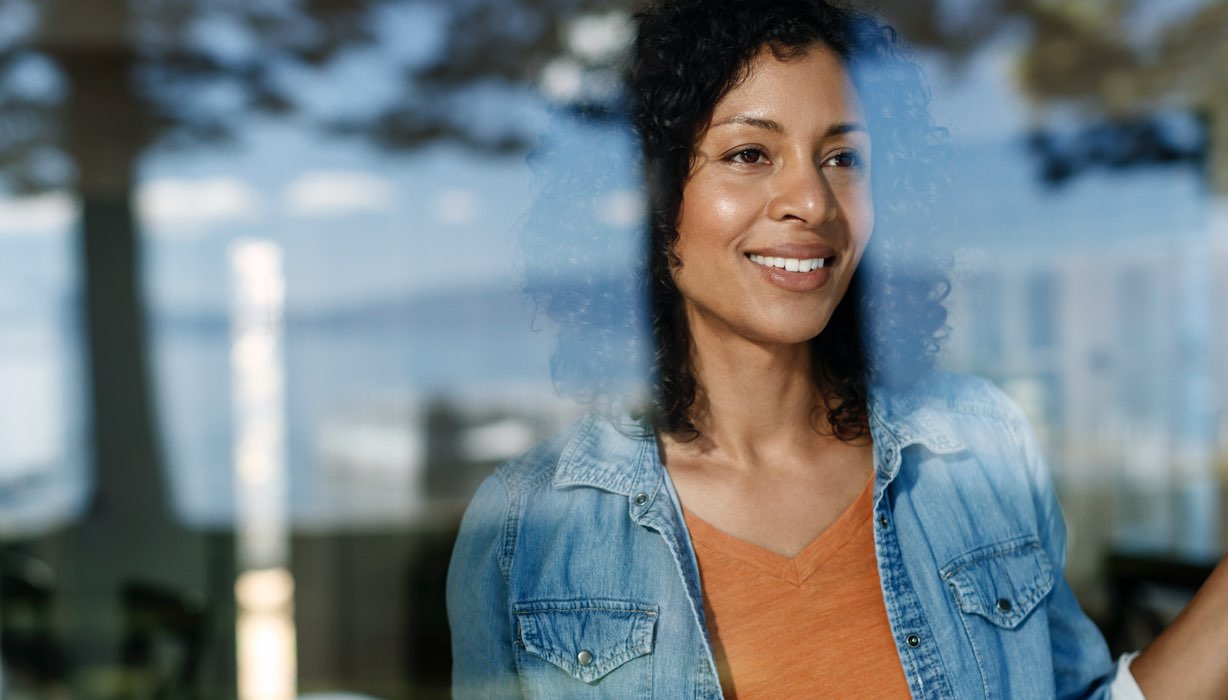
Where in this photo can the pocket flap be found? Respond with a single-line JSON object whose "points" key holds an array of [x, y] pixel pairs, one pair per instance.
{"points": [[1002, 582], [586, 638]]}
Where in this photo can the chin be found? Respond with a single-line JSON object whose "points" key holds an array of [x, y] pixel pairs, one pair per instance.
{"points": [[792, 333], [788, 329]]}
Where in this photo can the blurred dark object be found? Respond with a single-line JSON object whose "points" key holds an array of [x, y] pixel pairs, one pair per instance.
{"points": [[1146, 593], [1121, 144], [33, 658], [430, 664], [164, 635]]}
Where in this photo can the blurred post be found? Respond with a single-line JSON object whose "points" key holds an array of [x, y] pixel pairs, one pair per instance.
{"points": [[1217, 117], [1219, 305], [264, 590]]}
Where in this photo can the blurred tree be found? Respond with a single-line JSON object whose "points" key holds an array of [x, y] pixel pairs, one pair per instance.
{"points": [[1112, 59], [1119, 62], [88, 88]]}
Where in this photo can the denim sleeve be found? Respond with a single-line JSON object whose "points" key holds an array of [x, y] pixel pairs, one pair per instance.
{"points": [[1081, 663], [483, 662]]}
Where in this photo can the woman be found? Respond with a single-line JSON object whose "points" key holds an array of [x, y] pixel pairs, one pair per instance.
{"points": [[807, 509]]}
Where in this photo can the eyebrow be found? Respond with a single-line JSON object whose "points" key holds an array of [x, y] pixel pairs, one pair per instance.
{"points": [[838, 129], [756, 122]]}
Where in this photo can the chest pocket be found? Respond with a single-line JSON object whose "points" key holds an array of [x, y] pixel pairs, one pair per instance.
{"points": [[999, 593], [587, 639], [1001, 583]]}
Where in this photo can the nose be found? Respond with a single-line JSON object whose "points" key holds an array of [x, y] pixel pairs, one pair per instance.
{"points": [[802, 192]]}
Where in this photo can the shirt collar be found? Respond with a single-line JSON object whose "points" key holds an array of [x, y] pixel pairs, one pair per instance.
{"points": [[908, 418], [617, 455]]}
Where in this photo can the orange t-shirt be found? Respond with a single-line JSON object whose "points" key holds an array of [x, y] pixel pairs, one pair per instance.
{"points": [[813, 625]]}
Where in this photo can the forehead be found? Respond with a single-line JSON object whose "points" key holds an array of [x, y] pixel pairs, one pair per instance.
{"points": [[811, 83]]}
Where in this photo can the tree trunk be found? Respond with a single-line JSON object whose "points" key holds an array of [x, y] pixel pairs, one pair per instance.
{"points": [[130, 482], [127, 558], [106, 131]]}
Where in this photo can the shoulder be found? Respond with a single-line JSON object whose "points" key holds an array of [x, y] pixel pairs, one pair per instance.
{"points": [[974, 437], [573, 483], [956, 394], [943, 408], [978, 451], [599, 450], [537, 467], [485, 535]]}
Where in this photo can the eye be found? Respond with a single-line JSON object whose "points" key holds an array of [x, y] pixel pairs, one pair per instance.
{"points": [[747, 156], [844, 159]]}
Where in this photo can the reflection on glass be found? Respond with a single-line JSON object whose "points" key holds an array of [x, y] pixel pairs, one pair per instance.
{"points": [[1095, 292], [265, 634], [264, 592]]}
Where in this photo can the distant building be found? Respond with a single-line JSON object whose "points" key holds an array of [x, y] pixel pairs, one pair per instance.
{"points": [[1114, 352]]}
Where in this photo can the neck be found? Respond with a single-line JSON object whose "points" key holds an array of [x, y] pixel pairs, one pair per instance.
{"points": [[755, 399]]}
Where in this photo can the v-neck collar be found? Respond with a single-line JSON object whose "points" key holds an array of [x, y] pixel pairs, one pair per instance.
{"points": [[799, 567]]}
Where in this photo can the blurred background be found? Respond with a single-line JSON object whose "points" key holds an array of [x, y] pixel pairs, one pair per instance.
{"points": [[262, 329]]}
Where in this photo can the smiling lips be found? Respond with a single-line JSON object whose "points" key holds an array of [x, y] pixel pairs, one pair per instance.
{"points": [[788, 264]]}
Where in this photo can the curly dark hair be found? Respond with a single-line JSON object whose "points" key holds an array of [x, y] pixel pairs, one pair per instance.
{"points": [[688, 55], [619, 323]]}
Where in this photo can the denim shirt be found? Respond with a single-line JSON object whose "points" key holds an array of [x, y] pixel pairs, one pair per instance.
{"points": [[574, 576]]}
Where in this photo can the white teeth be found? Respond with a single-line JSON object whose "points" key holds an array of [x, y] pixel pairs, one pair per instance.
{"points": [[789, 264]]}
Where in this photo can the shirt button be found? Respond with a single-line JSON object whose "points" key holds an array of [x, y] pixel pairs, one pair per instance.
{"points": [[1004, 605], [641, 499], [882, 520], [913, 641], [585, 657]]}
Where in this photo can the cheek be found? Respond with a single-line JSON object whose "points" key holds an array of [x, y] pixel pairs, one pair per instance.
{"points": [[714, 208], [868, 229], [861, 220], [724, 206]]}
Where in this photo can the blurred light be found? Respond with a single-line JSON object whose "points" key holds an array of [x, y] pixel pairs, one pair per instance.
{"points": [[264, 590], [621, 209], [498, 441], [599, 38], [259, 264], [338, 192], [455, 207], [252, 351], [53, 212], [176, 203], [412, 33], [562, 80], [253, 463], [259, 410], [388, 450], [17, 19], [267, 664], [224, 36], [34, 77]]}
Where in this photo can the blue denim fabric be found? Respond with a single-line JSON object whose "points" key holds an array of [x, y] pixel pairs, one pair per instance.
{"points": [[574, 576]]}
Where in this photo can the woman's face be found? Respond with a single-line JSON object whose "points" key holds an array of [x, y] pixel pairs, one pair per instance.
{"points": [[776, 210]]}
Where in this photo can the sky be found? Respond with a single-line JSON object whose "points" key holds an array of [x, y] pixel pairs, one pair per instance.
{"points": [[361, 225]]}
